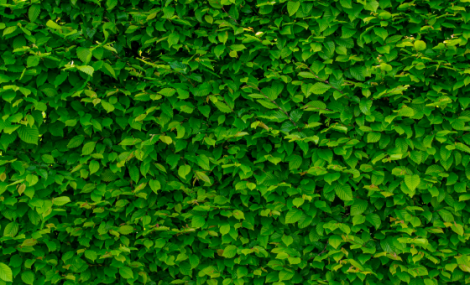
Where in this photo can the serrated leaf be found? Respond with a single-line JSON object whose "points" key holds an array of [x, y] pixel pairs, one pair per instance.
{"points": [[28, 277], [335, 241], [34, 12], [319, 88], [222, 107], [307, 75], [76, 141], [91, 255], [84, 54], [292, 7], [230, 251], [5, 273], [412, 181], [126, 229], [126, 272], [420, 45], [344, 192], [9, 30], [86, 69], [11, 229], [358, 207], [295, 162], [167, 92], [60, 201], [29, 134], [94, 166], [184, 170], [88, 148], [293, 216], [155, 185]]}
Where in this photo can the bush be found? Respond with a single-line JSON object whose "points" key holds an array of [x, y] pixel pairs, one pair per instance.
{"points": [[234, 142]]}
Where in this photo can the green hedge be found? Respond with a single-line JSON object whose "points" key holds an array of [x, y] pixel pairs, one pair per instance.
{"points": [[234, 142]]}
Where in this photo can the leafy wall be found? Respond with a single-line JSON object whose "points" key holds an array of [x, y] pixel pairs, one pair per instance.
{"points": [[234, 142]]}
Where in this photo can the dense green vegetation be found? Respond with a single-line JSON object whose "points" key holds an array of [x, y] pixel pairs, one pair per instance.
{"points": [[234, 142]]}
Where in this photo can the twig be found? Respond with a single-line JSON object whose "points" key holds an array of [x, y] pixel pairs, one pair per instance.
{"points": [[229, 15], [324, 249], [186, 78]]}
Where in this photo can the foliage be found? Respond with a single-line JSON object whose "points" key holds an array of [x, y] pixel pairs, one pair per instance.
{"points": [[234, 142]]}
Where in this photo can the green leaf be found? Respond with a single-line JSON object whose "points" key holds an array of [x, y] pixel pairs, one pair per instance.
{"points": [[288, 240], [373, 137], [84, 54], [11, 229], [375, 220], [168, 92], [225, 229], [365, 106], [111, 71], [184, 170], [60, 201], [110, 4], [51, 24], [344, 192], [446, 216], [358, 207], [267, 104], [319, 88], [307, 75], [76, 141], [166, 139], [335, 241], [315, 105], [94, 166], [91, 255], [292, 7], [381, 32], [239, 215], [47, 158], [34, 12], [126, 272], [331, 177], [86, 69], [462, 147], [5, 273], [295, 162], [88, 148], [155, 185], [406, 112], [412, 181], [28, 277], [29, 134], [222, 107], [420, 45], [198, 222], [293, 216], [202, 176], [9, 30], [230, 251], [130, 141], [125, 230]]}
